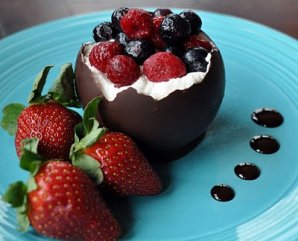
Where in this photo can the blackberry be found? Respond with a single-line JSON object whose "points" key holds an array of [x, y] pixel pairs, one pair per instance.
{"points": [[116, 16], [194, 59], [193, 19], [103, 31], [162, 12], [174, 29], [122, 39], [139, 50]]}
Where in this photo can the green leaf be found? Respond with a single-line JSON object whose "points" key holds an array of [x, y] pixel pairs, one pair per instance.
{"points": [[39, 82], [22, 217], [15, 194], [90, 114], [63, 89], [90, 166], [30, 159], [10, 117]]}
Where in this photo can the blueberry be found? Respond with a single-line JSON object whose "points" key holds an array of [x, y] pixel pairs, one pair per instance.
{"points": [[194, 59], [174, 49], [116, 16], [174, 29], [122, 39], [162, 12], [193, 19], [139, 50], [103, 31]]}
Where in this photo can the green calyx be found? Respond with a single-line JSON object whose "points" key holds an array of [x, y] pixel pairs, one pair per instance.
{"points": [[86, 134], [16, 195], [10, 117], [17, 192], [62, 91]]}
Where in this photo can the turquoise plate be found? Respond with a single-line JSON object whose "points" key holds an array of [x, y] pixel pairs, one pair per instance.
{"points": [[261, 70]]}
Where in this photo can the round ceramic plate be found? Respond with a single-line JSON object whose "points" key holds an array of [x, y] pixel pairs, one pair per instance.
{"points": [[261, 71]]}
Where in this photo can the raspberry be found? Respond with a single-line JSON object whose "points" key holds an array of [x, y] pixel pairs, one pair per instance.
{"points": [[163, 66], [102, 53], [137, 24], [156, 39], [122, 70], [194, 42]]}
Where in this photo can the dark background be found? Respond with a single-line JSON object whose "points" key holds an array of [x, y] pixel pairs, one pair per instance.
{"points": [[16, 15]]}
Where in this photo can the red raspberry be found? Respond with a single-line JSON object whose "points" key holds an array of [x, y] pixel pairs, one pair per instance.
{"points": [[122, 70], [156, 39], [101, 54], [137, 24], [163, 66], [193, 42]]}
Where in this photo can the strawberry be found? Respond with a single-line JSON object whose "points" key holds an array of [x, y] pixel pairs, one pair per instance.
{"points": [[125, 169], [47, 117], [50, 122], [60, 201]]}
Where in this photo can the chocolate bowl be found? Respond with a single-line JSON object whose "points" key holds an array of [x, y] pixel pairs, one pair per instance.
{"points": [[165, 129]]}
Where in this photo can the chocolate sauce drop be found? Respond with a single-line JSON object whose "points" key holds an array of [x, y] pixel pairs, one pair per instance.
{"points": [[247, 171], [264, 144], [222, 193], [267, 117]]}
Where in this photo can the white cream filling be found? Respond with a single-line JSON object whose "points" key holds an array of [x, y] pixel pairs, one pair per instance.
{"points": [[157, 90]]}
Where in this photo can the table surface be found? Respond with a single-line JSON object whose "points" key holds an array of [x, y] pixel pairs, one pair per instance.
{"points": [[16, 15]]}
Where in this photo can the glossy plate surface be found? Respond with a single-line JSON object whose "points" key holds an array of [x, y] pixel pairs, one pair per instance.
{"points": [[261, 71]]}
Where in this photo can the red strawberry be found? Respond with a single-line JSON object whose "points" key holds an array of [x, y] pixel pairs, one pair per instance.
{"points": [[163, 66], [62, 202], [125, 169], [124, 166], [67, 205], [47, 116], [50, 122]]}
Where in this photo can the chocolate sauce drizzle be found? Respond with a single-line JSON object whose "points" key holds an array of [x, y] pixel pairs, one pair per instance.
{"points": [[247, 171], [222, 193], [264, 144], [267, 117]]}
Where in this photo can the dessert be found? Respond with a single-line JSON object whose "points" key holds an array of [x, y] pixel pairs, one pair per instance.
{"points": [[169, 106]]}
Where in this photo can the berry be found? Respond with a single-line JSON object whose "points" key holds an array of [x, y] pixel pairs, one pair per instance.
{"points": [[116, 17], [137, 24], [122, 70], [50, 122], [122, 39], [163, 66], [139, 50], [162, 12], [194, 60], [193, 19], [193, 42], [156, 39], [103, 31], [174, 29], [101, 54], [126, 170], [64, 204], [174, 49]]}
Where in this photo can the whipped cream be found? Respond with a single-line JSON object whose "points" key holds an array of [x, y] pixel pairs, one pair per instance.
{"points": [[157, 90]]}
